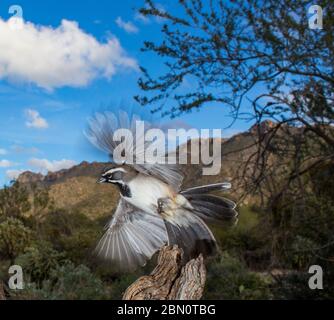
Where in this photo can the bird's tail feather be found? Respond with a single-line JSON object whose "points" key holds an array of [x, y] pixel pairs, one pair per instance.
{"points": [[213, 209], [191, 234], [207, 188]]}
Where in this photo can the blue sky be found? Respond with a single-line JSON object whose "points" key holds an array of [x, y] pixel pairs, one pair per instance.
{"points": [[47, 93]]}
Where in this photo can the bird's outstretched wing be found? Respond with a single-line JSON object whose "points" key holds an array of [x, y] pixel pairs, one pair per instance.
{"points": [[101, 133], [132, 237]]}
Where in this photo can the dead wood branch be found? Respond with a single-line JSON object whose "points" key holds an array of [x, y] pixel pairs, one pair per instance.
{"points": [[170, 280]]}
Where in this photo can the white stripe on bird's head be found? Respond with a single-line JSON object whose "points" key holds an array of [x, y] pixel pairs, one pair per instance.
{"points": [[113, 175], [111, 171]]}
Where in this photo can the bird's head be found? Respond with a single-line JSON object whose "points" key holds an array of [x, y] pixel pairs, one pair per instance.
{"points": [[113, 175]]}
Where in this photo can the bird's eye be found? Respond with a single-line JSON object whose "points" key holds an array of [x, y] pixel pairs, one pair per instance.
{"points": [[117, 175]]}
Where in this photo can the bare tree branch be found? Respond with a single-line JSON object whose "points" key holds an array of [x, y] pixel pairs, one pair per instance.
{"points": [[170, 280]]}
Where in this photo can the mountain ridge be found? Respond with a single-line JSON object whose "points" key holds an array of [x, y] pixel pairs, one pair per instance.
{"points": [[76, 188]]}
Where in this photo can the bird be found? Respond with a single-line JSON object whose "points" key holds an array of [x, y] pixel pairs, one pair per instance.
{"points": [[154, 210]]}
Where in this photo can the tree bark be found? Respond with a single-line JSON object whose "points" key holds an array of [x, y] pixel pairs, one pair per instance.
{"points": [[170, 280]]}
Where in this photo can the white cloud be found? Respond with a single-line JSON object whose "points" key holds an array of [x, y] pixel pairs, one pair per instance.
{"points": [[18, 149], [55, 57], [127, 26], [13, 174], [34, 120], [6, 163], [3, 152], [44, 165]]}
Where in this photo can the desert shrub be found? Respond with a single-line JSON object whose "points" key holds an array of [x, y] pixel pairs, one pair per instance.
{"points": [[80, 245], [304, 232], [67, 282], [119, 285], [39, 260], [73, 282], [294, 285], [301, 253], [245, 239], [14, 237], [56, 224], [228, 278], [73, 233], [41, 201], [14, 201]]}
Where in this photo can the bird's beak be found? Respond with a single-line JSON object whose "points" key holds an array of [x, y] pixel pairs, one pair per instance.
{"points": [[102, 180], [226, 186]]}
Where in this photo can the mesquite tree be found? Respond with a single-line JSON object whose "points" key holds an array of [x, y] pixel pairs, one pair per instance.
{"points": [[261, 60], [261, 54]]}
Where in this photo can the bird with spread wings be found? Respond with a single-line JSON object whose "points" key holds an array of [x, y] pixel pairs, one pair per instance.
{"points": [[153, 209]]}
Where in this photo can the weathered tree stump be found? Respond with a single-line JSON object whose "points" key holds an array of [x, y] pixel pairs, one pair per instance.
{"points": [[170, 280]]}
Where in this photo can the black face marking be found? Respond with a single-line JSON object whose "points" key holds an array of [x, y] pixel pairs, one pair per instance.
{"points": [[113, 175], [125, 190]]}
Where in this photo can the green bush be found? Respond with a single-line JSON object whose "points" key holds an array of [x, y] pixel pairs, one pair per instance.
{"points": [[294, 285], [14, 238], [228, 278], [73, 233], [80, 245], [67, 282], [119, 285], [38, 261], [14, 201], [301, 252]]}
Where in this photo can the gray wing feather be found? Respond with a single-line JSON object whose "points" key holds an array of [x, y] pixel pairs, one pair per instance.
{"points": [[169, 173], [132, 237]]}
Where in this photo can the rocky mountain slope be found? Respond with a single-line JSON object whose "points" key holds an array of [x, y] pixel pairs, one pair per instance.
{"points": [[76, 188]]}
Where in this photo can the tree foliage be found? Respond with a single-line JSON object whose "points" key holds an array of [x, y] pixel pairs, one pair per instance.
{"points": [[14, 238], [229, 47], [14, 201], [261, 61]]}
